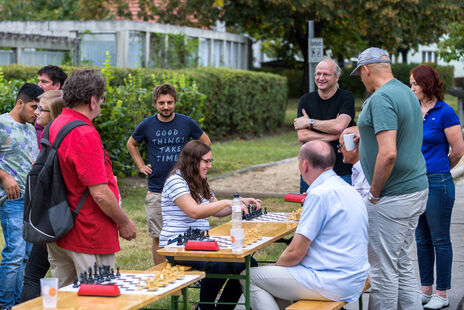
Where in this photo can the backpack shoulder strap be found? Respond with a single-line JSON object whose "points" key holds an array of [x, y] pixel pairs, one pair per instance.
{"points": [[58, 139], [65, 130]]}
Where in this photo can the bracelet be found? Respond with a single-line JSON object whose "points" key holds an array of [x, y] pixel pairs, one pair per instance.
{"points": [[371, 197]]}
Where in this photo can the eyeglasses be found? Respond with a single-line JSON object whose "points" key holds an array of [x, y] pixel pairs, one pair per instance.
{"points": [[326, 75], [208, 161], [42, 110]]}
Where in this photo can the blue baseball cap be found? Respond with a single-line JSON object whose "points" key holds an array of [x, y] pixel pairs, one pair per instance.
{"points": [[371, 55]]}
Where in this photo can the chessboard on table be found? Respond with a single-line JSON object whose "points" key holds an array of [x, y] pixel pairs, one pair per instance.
{"points": [[156, 283]]}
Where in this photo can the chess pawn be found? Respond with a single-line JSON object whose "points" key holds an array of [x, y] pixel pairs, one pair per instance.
{"points": [[181, 272]]}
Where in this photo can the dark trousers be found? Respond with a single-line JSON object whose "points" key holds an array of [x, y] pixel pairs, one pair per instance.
{"points": [[36, 268], [211, 287]]}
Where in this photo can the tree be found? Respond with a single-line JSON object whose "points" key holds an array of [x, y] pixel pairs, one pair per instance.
{"points": [[452, 47], [63, 9], [346, 26]]}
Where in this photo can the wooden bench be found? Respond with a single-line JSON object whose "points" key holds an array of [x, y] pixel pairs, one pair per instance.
{"points": [[324, 305]]}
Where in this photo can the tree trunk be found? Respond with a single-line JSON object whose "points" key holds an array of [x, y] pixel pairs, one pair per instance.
{"points": [[341, 61], [404, 54]]}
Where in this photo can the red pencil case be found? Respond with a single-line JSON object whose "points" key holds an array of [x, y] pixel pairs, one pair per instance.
{"points": [[99, 290], [202, 245], [295, 197]]}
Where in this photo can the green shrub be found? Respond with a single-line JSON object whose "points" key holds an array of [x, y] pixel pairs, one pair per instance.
{"points": [[400, 71], [225, 102]]}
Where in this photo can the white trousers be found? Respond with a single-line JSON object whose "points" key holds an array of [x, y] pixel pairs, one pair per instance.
{"points": [[392, 222], [274, 288]]}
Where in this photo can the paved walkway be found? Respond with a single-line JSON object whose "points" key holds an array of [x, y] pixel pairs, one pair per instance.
{"points": [[456, 294]]}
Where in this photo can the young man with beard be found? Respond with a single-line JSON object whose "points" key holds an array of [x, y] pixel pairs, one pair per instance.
{"points": [[165, 134], [18, 151]]}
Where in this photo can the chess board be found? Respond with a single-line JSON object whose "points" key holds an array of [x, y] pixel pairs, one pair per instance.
{"points": [[225, 242], [128, 283], [272, 217]]}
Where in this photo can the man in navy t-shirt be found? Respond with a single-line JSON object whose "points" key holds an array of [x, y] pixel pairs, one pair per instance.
{"points": [[165, 134]]}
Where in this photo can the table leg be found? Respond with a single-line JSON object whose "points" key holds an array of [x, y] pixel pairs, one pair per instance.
{"points": [[175, 302], [247, 282], [185, 297]]}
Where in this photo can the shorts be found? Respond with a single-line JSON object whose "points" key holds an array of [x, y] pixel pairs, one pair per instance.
{"points": [[153, 213]]}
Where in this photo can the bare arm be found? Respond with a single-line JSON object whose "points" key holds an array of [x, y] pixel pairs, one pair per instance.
{"points": [[205, 139], [454, 136], [386, 158], [198, 211], [132, 147], [306, 135], [108, 203], [295, 252], [10, 185], [332, 126]]}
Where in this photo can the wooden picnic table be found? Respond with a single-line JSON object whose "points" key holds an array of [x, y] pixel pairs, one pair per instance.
{"points": [[273, 230], [71, 301]]}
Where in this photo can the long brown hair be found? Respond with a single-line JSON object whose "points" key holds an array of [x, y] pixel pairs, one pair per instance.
{"points": [[429, 79], [189, 164]]}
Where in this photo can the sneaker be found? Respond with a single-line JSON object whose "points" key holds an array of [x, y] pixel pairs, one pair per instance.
{"points": [[425, 298], [437, 302]]}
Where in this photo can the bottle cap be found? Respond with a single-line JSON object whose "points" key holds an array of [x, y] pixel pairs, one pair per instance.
{"points": [[236, 195]]}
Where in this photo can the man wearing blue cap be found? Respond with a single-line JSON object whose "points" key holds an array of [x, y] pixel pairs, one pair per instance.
{"points": [[390, 127]]}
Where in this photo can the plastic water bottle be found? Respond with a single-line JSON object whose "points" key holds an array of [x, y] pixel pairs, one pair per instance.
{"points": [[236, 212]]}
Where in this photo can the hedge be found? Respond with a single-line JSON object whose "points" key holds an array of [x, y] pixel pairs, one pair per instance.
{"points": [[354, 84], [225, 102]]}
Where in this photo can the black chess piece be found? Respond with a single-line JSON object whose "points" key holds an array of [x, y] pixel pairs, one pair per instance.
{"points": [[76, 282], [117, 272], [265, 210], [112, 274]]}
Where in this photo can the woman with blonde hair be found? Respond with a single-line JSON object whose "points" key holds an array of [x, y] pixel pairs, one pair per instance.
{"points": [[50, 106]]}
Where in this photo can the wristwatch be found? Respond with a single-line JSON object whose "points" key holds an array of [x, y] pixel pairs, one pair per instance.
{"points": [[372, 198], [311, 123]]}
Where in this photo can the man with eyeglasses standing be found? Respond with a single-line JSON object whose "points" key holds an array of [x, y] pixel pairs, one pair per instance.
{"points": [[324, 114], [49, 78], [86, 168], [165, 133]]}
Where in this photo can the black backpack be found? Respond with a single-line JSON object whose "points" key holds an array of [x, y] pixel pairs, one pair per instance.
{"points": [[47, 216]]}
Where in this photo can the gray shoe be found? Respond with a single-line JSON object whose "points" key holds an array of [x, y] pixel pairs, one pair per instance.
{"points": [[437, 302], [425, 298]]}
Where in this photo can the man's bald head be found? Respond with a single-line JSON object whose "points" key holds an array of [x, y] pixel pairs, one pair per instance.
{"points": [[319, 154]]}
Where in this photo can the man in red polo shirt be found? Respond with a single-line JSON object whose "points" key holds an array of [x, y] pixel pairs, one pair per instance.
{"points": [[84, 164]]}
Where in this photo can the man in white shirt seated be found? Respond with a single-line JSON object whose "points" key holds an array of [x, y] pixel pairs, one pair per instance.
{"points": [[327, 258], [358, 180]]}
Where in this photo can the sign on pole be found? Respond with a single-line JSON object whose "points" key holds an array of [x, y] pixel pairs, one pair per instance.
{"points": [[316, 50]]}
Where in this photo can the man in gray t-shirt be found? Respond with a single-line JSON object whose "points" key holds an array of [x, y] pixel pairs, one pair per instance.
{"points": [[390, 128]]}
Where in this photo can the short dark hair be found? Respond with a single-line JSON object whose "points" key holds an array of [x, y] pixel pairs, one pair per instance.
{"points": [[164, 89], [319, 160], [29, 92], [54, 73], [429, 80], [81, 85]]}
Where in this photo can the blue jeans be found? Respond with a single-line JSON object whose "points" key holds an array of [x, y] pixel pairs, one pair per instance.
{"points": [[433, 232], [15, 252], [211, 287], [304, 187]]}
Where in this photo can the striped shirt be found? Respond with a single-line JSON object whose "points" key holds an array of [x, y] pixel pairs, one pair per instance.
{"points": [[175, 221]]}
